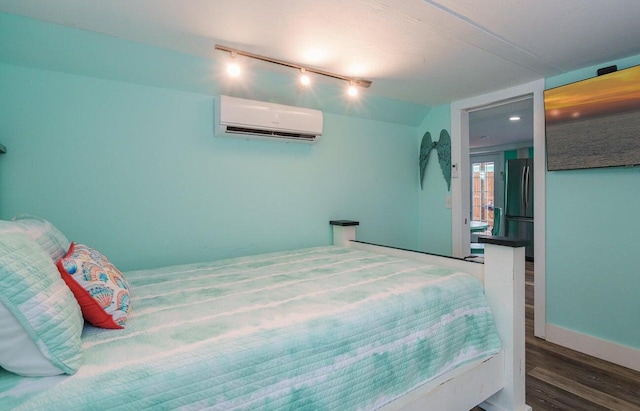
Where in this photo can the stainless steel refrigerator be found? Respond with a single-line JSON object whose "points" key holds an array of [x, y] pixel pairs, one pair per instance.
{"points": [[519, 201]]}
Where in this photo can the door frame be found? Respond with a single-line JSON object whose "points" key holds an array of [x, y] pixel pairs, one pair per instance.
{"points": [[461, 184]]}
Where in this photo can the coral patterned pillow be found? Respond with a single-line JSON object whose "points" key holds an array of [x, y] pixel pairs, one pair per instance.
{"points": [[101, 290]]}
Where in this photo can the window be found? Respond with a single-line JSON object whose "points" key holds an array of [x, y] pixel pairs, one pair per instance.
{"points": [[482, 191]]}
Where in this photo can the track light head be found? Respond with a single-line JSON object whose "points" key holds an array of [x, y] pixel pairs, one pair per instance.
{"points": [[305, 80], [233, 68], [352, 91]]}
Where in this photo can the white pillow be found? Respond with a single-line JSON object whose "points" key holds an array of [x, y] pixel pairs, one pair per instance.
{"points": [[42, 231], [18, 353], [33, 295]]}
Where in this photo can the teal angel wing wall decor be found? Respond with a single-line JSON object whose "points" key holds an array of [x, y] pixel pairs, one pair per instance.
{"points": [[443, 147], [444, 156], [425, 149]]}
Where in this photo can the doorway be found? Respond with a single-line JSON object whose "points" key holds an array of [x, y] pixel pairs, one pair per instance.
{"points": [[461, 181], [502, 135]]}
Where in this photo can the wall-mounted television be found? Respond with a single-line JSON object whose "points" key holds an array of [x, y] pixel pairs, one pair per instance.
{"points": [[595, 122]]}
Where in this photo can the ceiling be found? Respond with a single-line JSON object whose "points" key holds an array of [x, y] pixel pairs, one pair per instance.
{"points": [[491, 126], [420, 51]]}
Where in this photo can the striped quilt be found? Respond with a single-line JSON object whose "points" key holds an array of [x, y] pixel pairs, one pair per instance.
{"points": [[326, 328]]}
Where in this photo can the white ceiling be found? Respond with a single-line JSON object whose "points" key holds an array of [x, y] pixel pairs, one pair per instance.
{"points": [[420, 51], [491, 126]]}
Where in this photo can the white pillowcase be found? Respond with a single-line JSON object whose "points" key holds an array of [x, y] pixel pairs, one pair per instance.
{"points": [[42, 231], [18, 353], [37, 306]]}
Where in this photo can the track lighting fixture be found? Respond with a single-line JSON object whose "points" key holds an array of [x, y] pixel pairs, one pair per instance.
{"points": [[234, 70]]}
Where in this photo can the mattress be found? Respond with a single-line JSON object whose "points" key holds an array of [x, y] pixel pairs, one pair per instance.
{"points": [[324, 328]]}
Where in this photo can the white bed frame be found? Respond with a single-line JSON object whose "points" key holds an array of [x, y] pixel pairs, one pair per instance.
{"points": [[497, 383]]}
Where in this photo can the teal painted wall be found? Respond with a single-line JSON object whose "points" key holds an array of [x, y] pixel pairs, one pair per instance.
{"points": [[37, 44], [435, 218], [593, 237], [510, 155], [135, 171]]}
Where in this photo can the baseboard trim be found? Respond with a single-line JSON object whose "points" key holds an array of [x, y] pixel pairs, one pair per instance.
{"points": [[596, 347]]}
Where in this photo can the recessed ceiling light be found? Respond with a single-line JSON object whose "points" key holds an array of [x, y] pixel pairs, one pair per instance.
{"points": [[514, 118]]}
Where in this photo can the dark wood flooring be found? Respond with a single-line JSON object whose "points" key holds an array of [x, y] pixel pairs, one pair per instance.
{"points": [[562, 379]]}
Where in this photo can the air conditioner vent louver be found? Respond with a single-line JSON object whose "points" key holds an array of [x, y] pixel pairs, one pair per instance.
{"points": [[236, 117], [269, 133]]}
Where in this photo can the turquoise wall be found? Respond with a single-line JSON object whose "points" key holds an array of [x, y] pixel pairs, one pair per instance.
{"points": [[593, 237], [434, 217], [134, 170], [37, 44]]}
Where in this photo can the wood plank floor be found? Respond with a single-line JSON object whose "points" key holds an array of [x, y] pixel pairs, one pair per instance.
{"points": [[562, 379]]}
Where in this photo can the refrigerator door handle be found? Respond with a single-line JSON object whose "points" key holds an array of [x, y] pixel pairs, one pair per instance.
{"points": [[522, 189], [529, 187], [526, 188]]}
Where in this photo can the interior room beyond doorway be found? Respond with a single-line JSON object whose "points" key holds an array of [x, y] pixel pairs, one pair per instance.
{"points": [[497, 134]]}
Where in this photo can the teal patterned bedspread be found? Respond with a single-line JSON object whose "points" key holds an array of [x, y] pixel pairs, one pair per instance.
{"points": [[326, 328]]}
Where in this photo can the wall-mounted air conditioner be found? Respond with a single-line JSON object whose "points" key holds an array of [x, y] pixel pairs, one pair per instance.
{"points": [[237, 117]]}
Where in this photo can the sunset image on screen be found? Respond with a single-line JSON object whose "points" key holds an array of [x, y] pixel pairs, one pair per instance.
{"points": [[612, 93], [594, 123]]}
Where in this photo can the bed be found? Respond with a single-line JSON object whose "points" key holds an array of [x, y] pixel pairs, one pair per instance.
{"points": [[347, 326]]}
